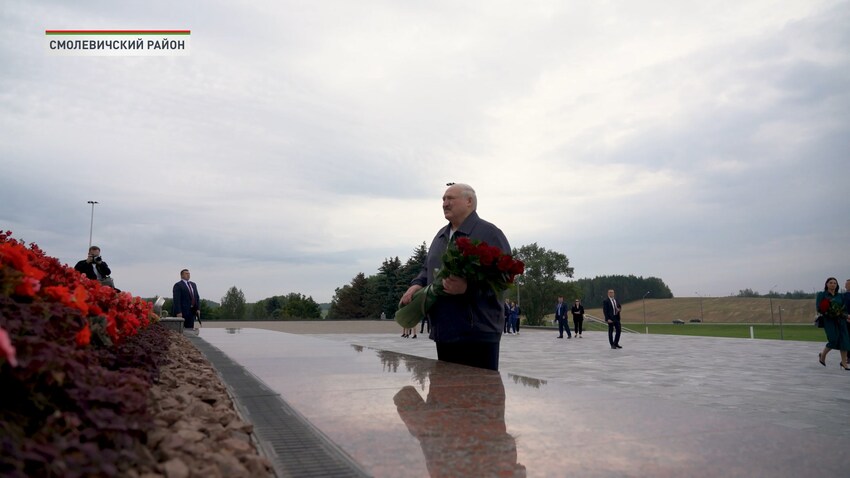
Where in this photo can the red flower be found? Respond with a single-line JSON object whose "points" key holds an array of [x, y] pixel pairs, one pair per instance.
{"points": [[478, 261], [27, 272], [465, 246], [112, 326], [505, 263], [823, 307], [84, 336], [487, 254]]}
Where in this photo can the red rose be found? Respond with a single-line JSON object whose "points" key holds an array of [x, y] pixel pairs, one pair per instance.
{"points": [[823, 306], [464, 245], [504, 264], [487, 254]]}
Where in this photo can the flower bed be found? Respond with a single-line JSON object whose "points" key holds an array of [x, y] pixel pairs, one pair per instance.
{"points": [[77, 364]]}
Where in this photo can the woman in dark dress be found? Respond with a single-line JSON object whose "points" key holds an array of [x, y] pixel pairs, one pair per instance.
{"points": [[830, 306], [578, 316]]}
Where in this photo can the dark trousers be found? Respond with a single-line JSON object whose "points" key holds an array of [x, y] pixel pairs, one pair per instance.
{"points": [[562, 325], [579, 321], [614, 340], [474, 354], [422, 327], [189, 320]]}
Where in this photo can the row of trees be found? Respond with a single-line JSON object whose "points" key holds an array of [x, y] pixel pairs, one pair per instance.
{"points": [[628, 288], [536, 290], [293, 306], [368, 297], [797, 294]]}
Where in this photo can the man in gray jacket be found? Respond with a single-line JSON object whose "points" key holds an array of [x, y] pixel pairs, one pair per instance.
{"points": [[468, 321]]}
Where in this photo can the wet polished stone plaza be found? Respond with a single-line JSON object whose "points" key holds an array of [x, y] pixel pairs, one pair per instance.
{"points": [[662, 406]]}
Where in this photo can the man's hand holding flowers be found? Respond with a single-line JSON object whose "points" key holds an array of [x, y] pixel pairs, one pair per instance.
{"points": [[464, 261], [454, 285]]}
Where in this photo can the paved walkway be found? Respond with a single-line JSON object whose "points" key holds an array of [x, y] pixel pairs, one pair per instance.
{"points": [[666, 405], [780, 382]]}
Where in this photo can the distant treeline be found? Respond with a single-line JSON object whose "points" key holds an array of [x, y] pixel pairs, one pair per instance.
{"points": [[797, 294], [627, 288], [292, 306]]}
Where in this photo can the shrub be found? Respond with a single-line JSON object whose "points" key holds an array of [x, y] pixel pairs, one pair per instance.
{"points": [[76, 362]]}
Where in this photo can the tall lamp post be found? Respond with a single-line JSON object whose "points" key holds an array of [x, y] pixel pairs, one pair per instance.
{"points": [[770, 297], [701, 314], [644, 312], [781, 335], [91, 224]]}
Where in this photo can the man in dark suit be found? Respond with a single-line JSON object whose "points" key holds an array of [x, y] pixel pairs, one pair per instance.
{"points": [[611, 309], [187, 301], [561, 316]]}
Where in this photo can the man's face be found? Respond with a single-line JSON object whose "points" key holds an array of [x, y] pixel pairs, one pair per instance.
{"points": [[184, 275], [94, 252], [560, 299], [610, 294], [456, 206]]}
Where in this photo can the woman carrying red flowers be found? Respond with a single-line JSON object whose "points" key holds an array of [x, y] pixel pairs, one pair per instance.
{"points": [[830, 306]]}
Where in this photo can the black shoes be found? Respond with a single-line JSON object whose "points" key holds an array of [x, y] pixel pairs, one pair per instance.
{"points": [[615, 347]]}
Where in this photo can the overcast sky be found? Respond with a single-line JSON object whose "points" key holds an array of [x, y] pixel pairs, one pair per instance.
{"points": [[302, 142]]}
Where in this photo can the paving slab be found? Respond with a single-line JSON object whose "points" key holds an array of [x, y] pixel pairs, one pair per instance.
{"points": [[661, 406]]}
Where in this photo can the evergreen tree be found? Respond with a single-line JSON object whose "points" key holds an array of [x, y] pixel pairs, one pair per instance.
{"points": [[389, 286], [414, 265], [349, 302]]}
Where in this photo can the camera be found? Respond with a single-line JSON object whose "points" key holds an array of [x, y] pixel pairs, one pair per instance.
{"points": [[98, 259]]}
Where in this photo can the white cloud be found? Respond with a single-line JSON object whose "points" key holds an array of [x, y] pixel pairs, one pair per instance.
{"points": [[302, 143]]}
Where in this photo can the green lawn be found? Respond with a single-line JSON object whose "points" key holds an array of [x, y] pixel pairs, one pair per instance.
{"points": [[789, 332], [808, 333]]}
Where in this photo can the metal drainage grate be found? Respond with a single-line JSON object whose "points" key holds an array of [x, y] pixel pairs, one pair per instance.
{"points": [[293, 446]]}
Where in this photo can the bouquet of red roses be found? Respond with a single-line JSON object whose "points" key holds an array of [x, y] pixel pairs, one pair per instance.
{"points": [[830, 308], [474, 260]]}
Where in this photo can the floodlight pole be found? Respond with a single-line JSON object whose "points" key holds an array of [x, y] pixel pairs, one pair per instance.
{"points": [[91, 224], [644, 312], [701, 314], [770, 296], [781, 335]]}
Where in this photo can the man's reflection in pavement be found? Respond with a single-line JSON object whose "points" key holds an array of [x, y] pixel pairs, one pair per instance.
{"points": [[461, 426]]}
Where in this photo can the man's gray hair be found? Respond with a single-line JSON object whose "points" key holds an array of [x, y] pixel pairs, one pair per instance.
{"points": [[467, 191]]}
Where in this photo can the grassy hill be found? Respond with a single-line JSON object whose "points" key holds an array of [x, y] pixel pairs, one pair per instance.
{"points": [[716, 310]]}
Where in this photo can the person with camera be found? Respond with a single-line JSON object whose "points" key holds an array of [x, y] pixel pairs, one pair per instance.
{"points": [[95, 268]]}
